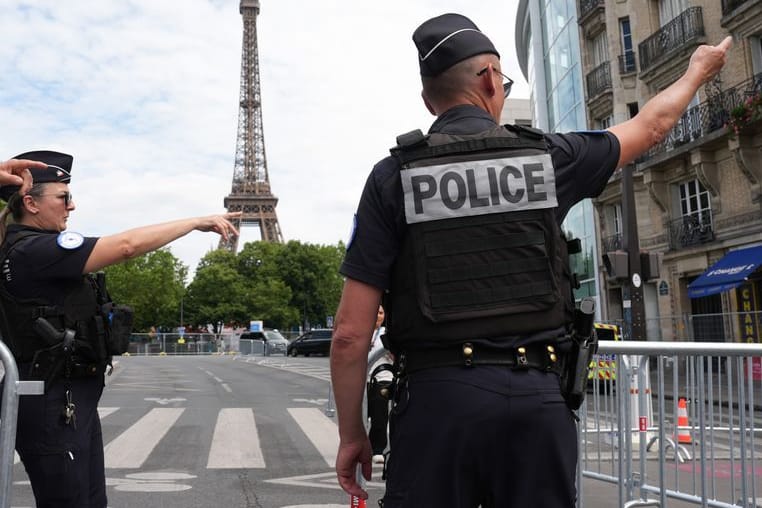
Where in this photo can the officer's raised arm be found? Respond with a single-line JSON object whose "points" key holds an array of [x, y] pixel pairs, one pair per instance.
{"points": [[652, 124], [128, 244]]}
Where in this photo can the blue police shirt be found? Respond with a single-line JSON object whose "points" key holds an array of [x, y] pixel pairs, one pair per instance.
{"points": [[39, 268], [583, 163]]}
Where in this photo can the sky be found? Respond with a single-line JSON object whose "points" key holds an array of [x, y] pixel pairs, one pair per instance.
{"points": [[144, 94]]}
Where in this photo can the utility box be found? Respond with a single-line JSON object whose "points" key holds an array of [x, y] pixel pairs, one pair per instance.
{"points": [[649, 265], [616, 264]]}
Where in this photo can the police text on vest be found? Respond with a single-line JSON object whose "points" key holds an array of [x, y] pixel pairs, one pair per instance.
{"points": [[478, 187]]}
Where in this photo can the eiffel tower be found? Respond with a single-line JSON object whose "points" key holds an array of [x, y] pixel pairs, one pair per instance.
{"points": [[251, 192]]}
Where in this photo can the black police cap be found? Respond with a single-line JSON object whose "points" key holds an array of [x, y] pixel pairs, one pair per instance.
{"points": [[58, 170], [446, 40]]}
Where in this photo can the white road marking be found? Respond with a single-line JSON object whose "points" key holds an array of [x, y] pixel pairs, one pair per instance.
{"points": [[164, 401], [227, 388], [235, 444], [320, 429], [103, 412], [322, 480], [131, 448]]}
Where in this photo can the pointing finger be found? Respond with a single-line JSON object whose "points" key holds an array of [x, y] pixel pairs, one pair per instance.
{"points": [[726, 43]]}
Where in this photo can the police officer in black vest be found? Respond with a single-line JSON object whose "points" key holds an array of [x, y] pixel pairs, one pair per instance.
{"points": [[459, 230], [62, 327]]}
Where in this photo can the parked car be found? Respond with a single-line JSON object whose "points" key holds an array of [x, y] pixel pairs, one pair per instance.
{"points": [[274, 342], [312, 342]]}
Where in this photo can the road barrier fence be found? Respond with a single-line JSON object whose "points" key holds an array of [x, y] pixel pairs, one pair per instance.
{"points": [[679, 423]]}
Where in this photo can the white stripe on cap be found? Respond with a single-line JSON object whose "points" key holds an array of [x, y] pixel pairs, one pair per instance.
{"points": [[60, 171], [456, 32]]}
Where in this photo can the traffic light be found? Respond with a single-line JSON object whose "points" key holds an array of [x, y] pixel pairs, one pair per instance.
{"points": [[616, 264], [649, 265]]}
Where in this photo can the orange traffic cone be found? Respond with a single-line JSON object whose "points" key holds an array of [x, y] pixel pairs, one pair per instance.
{"points": [[683, 433]]}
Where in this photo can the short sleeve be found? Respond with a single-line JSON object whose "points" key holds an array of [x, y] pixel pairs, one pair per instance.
{"points": [[584, 162], [374, 244]]}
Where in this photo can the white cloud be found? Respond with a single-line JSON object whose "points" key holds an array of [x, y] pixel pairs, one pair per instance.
{"points": [[145, 95]]}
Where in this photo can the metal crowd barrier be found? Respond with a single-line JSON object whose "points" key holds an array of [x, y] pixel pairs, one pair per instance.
{"points": [[678, 422], [12, 389]]}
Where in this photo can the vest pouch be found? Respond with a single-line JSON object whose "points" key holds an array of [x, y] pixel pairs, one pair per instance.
{"points": [[121, 328], [484, 266]]}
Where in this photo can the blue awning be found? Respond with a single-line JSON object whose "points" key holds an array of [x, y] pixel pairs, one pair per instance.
{"points": [[727, 273]]}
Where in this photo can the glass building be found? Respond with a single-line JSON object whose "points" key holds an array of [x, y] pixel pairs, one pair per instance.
{"points": [[548, 51]]}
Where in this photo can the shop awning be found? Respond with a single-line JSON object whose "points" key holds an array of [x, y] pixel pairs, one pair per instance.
{"points": [[727, 273]]}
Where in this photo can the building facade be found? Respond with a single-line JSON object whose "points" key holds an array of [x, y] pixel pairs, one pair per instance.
{"points": [[548, 50], [698, 194]]}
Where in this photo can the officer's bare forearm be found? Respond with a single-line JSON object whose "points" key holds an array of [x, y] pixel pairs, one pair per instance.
{"points": [[355, 319], [661, 113], [349, 366]]}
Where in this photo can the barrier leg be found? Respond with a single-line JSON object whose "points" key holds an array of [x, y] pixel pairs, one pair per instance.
{"points": [[12, 388]]}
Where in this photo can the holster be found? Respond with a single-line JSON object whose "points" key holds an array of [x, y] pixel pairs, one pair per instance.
{"points": [[584, 345]]}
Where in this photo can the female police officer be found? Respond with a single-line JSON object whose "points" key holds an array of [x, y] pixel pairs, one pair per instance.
{"points": [[56, 328]]}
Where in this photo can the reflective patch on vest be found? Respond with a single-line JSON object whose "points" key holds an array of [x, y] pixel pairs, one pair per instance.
{"points": [[461, 189]]}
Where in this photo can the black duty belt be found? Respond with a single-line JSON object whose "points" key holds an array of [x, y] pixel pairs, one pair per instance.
{"points": [[534, 356]]}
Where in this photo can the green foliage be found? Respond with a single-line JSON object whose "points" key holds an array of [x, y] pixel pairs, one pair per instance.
{"points": [[748, 112], [153, 285], [218, 293], [284, 285]]}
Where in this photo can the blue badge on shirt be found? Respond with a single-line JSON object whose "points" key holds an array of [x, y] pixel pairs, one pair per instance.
{"points": [[353, 232], [70, 240]]}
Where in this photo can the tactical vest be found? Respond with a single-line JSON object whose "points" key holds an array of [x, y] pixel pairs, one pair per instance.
{"points": [[81, 312], [483, 256]]}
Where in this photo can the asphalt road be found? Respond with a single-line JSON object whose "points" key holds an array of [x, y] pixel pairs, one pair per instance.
{"points": [[225, 431], [217, 431]]}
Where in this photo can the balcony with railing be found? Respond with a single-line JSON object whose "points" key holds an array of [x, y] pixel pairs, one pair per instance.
{"points": [[627, 63], [682, 33], [612, 243], [706, 118], [588, 7], [598, 80], [689, 230]]}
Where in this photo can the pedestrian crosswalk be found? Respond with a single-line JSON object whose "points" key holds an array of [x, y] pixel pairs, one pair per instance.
{"points": [[235, 442], [318, 371]]}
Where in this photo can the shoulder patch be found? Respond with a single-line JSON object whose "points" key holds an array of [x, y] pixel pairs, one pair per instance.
{"points": [[70, 240], [352, 232]]}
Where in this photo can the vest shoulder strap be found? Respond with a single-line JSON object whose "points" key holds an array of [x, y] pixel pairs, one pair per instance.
{"points": [[414, 145]]}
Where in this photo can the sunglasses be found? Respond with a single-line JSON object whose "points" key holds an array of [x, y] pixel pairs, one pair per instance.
{"points": [[67, 197], [506, 85]]}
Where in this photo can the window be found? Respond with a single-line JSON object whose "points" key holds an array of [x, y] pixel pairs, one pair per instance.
{"points": [[694, 202], [756, 53], [670, 9], [605, 123], [632, 109], [617, 209], [628, 55], [599, 49]]}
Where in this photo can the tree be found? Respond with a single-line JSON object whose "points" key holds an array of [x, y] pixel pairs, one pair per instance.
{"points": [[309, 272], [218, 293], [153, 285]]}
